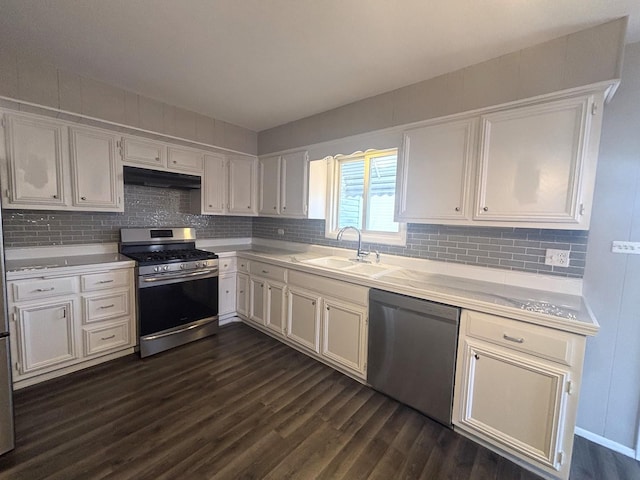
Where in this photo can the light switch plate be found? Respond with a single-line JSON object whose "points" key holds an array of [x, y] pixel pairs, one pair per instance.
{"points": [[625, 247]]}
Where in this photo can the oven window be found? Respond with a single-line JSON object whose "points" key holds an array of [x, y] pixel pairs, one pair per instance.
{"points": [[167, 306]]}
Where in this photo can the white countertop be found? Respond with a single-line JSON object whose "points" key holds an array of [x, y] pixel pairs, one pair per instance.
{"points": [[556, 310], [26, 267]]}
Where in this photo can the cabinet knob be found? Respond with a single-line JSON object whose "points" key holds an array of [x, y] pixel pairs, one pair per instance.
{"points": [[313, 303], [274, 208], [486, 209], [284, 208], [210, 206], [55, 196], [227, 291], [241, 291], [83, 198], [175, 161], [328, 308], [457, 209], [476, 356], [248, 206], [158, 159]]}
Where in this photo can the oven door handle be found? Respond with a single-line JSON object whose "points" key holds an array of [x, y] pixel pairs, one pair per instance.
{"points": [[180, 276]]}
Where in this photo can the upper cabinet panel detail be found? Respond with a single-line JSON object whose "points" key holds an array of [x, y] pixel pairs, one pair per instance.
{"points": [[531, 160], [35, 154]]}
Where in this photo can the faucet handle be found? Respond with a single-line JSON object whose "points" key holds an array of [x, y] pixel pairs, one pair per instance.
{"points": [[377, 256]]}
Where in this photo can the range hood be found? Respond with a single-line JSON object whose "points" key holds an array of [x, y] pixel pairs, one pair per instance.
{"points": [[155, 178]]}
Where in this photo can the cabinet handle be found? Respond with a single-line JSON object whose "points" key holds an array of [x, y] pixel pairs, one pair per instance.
{"points": [[457, 209], [265, 271], [55, 196], [105, 281], [83, 198], [104, 307], [225, 265], [513, 339], [109, 337], [157, 159], [476, 356], [486, 209], [45, 289]]}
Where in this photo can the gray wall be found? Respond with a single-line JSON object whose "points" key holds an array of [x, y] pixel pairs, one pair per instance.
{"points": [[582, 58], [144, 207], [520, 249], [31, 80], [611, 390]]}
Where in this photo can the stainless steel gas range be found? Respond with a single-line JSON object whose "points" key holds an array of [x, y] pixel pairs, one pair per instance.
{"points": [[177, 287]]}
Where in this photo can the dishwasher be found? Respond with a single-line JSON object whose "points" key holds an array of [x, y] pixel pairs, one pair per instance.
{"points": [[412, 351]]}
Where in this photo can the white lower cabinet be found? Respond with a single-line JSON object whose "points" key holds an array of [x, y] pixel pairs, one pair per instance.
{"points": [[303, 318], [45, 336], [64, 322], [242, 294], [275, 307], [344, 334], [226, 294], [257, 300], [511, 395]]}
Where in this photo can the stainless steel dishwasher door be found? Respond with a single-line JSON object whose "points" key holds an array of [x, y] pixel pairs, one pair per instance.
{"points": [[412, 351]]}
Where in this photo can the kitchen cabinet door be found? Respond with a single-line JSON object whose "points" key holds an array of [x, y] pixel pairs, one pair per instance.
{"points": [[344, 335], [275, 318], [146, 153], [242, 294], [214, 184], [46, 337], [269, 203], [513, 400], [226, 294], [294, 185], [185, 159], [242, 185], [257, 300], [435, 169], [97, 175], [37, 157], [531, 162], [303, 318]]}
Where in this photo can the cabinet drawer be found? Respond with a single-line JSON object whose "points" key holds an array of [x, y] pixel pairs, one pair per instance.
{"points": [[102, 281], [539, 341], [270, 272], [43, 288], [243, 265], [227, 264], [102, 338], [103, 307]]}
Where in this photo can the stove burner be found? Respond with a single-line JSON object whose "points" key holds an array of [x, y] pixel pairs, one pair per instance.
{"points": [[166, 256]]}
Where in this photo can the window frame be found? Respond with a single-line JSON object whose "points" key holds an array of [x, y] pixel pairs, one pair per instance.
{"points": [[331, 224]]}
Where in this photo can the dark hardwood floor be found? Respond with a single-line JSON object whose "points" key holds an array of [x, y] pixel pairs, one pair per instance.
{"points": [[242, 405]]}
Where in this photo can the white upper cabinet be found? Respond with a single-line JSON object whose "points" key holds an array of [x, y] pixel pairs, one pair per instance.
{"points": [[214, 184], [284, 185], [243, 173], [145, 153], [36, 155], [185, 159], [433, 181], [96, 173], [269, 185], [531, 165], [531, 162]]}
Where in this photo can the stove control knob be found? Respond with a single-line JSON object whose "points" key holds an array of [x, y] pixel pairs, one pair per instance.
{"points": [[197, 264], [204, 264], [156, 269], [182, 266], [165, 268]]}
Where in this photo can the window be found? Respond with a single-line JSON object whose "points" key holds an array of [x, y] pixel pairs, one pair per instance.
{"points": [[364, 188]]}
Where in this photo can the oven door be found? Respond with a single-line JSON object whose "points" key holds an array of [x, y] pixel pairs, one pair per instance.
{"points": [[170, 301]]}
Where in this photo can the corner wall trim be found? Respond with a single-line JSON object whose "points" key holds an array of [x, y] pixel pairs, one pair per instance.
{"points": [[605, 442]]}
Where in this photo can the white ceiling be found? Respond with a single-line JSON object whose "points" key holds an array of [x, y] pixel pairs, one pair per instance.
{"points": [[262, 63]]}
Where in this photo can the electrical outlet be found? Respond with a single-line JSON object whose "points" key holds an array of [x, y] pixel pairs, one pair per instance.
{"points": [[625, 247], [557, 258], [281, 231]]}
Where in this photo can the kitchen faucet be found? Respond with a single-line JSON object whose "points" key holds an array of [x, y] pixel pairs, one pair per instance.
{"points": [[360, 256]]}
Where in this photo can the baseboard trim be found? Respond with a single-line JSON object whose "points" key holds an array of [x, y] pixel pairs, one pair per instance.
{"points": [[605, 442], [228, 320]]}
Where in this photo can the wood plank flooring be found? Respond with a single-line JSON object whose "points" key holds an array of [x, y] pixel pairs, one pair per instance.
{"points": [[241, 405]]}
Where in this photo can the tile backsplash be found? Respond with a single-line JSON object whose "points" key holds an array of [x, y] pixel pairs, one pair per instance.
{"points": [[144, 207], [519, 249]]}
